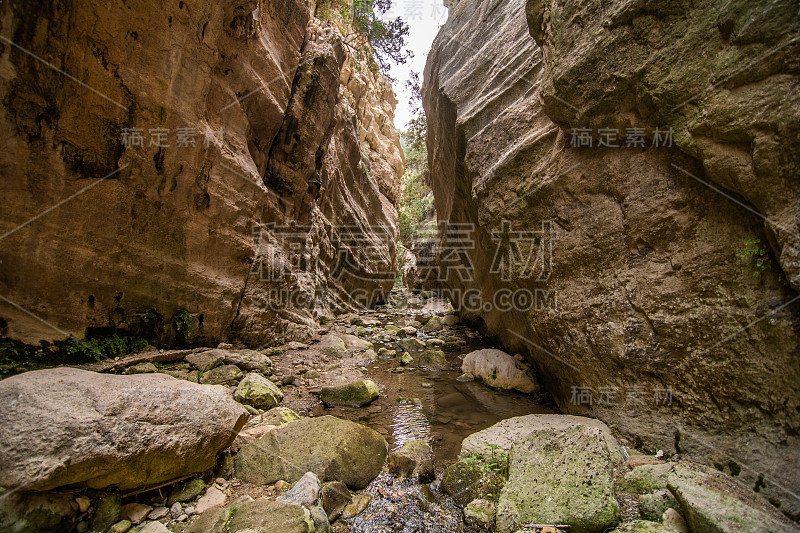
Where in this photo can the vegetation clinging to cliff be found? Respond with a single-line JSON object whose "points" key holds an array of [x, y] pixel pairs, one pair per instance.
{"points": [[370, 33]]}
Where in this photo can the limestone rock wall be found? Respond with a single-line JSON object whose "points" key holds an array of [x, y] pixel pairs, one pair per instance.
{"points": [[220, 158], [645, 315]]}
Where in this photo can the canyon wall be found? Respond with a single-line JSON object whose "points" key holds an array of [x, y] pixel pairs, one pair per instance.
{"points": [[230, 160], [628, 269]]}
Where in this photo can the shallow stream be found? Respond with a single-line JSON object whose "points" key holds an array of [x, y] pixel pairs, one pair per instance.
{"points": [[436, 407]]}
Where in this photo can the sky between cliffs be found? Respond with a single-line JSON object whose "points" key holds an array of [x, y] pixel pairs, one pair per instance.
{"points": [[424, 18]]}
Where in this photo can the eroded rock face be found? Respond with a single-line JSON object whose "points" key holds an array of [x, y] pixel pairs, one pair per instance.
{"points": [[217, 125], [643, 293], [66, 426]]}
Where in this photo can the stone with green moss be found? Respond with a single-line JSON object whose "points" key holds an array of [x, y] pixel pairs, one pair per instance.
{"points": [[36, 512], [560, 476], [186, 491], [257, 391], [106, 511], [354, 394], [433, 360], [411, 343], [222, 375], [471, 479], [406, 359], [642, 526], [279, 415], [653, 505], [141, 368], [645, 479]]}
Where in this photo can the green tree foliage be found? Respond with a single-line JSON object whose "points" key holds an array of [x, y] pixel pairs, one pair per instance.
{"points": [[371, 29], [414, 136], [416, 201]]}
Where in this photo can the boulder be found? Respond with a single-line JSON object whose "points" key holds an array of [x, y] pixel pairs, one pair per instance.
{"points": [[123, 526], [468, 480], [498, 369], [277, 416], [356, 506], [248, 360], [333, 345], [653, 505], [66, 426], [674, 521], [642, 526], [154, 527], [107, 511], [140, 368], [714, 502], [413, 460], [305, 492], [334, 449], [187, 491], [433, 360], [354, 344], [450, 320], [411, 343], [265, 516], [494, 443], [561, 475], [335, 496], [212, 498], [646, 478], [222, 375], [33, 512], [433, 325], [135, 512], [205, 361], [257, 391], [354, 394], [481, 514]]}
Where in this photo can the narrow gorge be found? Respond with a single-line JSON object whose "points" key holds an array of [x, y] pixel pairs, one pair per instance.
{"points": [[244, 287]]}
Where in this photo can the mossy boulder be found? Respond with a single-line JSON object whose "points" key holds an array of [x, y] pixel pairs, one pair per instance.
{"points": [[560, 476], [332, 448], [433, 360], [645, 479], [36, 512], [257, 391], [470, 479], [187, 491], [411, 344], [642, 526], [354, 394], [279, 415], [413, 460], [222, 375], [106, 512], [653, 505], [714, 502]]}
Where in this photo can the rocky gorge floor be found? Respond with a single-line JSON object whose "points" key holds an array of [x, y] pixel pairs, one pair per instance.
{"points": [[374, 427]]}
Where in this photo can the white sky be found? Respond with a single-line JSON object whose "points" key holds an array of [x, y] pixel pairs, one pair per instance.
{"points": [[424, 18]]}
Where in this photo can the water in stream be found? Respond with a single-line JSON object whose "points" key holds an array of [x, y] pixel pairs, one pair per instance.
{"points": [[428, 405]]}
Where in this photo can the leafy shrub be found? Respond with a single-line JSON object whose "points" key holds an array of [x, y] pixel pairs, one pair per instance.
{"points": [[757, 255]]}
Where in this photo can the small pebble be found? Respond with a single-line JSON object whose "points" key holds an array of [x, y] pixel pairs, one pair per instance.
{"points": [[175, 511], [189, 510], [83, 503], [158, 513], [183, 518], [426, 385]]}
